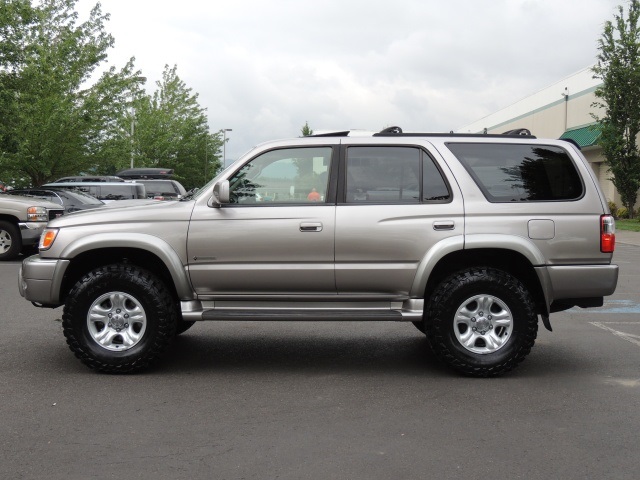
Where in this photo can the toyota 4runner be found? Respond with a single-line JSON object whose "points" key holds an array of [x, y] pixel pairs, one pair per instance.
{"points": [[472, 238]]}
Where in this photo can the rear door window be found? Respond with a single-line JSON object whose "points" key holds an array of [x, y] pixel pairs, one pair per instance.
{"points": [[393, 175], [520, 172]]}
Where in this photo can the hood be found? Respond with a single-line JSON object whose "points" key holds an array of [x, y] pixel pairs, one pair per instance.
{"points": [[127, 211], [13, 202]]}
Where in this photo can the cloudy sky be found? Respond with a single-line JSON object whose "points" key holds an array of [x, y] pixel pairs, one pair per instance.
{"points": [[263, 68]]}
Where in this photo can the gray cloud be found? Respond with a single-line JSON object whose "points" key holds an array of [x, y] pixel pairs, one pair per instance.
{"points": [[264, 68]]}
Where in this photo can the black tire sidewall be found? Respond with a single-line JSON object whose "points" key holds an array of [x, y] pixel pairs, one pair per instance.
{"points": [[147, 292], [16, 240], [460, 288]]}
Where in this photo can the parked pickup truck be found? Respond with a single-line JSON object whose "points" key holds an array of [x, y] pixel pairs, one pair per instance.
{"points": [[473, 239], [22, 220]]}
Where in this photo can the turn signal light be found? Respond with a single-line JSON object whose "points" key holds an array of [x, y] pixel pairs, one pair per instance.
{"points": [[607, 234], [47, 238]]}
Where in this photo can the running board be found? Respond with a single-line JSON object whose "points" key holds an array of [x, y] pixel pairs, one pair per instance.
{"points": [[194, 311]]}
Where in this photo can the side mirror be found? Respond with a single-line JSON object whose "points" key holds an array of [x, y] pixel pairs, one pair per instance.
{"points": [[220, 193]]}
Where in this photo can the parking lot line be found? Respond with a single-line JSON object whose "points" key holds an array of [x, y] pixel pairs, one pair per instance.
{"points": [[629, 337]]}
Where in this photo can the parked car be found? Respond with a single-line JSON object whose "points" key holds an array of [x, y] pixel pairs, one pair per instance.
{"points": [[163, 189], [105, 191], [497, 233], [90, 178], [70, 200], [157, 182], [22, 220]]}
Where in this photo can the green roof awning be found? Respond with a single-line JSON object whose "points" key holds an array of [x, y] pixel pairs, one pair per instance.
{"points": [[584, 136]]}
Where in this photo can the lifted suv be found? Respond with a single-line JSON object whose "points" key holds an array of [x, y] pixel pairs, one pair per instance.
{"points": [[472, 238]]}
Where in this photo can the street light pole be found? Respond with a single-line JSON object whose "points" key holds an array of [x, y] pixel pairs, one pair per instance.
{"points": [[133, 113], [224, 146]]}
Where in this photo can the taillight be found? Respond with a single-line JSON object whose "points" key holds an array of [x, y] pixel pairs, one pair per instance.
{"points": [[607, 234]]}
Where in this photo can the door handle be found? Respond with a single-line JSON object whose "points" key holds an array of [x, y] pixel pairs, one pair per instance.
{"points": [[444, 225], [311, 227]]}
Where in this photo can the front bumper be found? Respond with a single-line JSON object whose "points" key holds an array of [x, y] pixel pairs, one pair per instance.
{"points": [[40, 279], [31, 231]]}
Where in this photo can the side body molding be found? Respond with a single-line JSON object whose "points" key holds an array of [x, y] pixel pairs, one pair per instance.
{"points": [[150, 243]]}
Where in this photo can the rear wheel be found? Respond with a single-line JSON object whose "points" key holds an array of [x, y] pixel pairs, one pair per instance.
{"points": [[119, 318], [481, 322], [10, 241]]}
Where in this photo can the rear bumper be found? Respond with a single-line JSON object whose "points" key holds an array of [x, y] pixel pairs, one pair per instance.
{"points": [[40, 279], [581, 281]]}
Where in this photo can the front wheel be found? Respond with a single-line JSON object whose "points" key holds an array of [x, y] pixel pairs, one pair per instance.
{"points": [[10, 241], [119, 318], [481, 322]]}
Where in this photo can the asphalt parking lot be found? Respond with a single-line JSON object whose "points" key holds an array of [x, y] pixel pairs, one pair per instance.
{"points": [[325, 401]]}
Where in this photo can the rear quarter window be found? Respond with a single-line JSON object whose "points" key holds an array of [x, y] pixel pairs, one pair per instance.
{"points": [[520, 172]]}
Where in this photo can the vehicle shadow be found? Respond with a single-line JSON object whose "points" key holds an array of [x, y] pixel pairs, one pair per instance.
{"points": [[395, 352], [322, 351]]}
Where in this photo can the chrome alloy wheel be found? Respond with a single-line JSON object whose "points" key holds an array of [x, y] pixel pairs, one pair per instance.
{"points": [[5, 241], [116, 321], [483, 324]]}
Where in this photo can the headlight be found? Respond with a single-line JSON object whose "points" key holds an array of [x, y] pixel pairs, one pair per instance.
{"points": [[37, 214], [47, 238]]}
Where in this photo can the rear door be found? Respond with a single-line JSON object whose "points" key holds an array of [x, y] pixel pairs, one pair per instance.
{"points": [[394, 205]]}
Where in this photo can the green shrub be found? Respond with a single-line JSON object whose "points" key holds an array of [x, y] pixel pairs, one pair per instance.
{"points": [[622, 213], [613, 208]]}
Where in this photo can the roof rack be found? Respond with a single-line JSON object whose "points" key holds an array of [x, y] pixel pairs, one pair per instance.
{"points": [[397, 132], [344, 133]]}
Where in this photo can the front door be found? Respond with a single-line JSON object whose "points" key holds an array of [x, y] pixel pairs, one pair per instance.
{"points": [[277, 234]]}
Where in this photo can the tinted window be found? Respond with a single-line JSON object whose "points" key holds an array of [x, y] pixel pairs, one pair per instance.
{"points": [[433, 185], [392, 174], [383, 174], [293, 175], [520, 173]]}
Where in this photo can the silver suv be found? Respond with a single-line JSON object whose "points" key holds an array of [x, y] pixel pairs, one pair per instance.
{"points": [[472, 238]]}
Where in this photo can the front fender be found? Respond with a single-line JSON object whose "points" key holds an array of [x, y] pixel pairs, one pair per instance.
{"points": [[155, 245]]}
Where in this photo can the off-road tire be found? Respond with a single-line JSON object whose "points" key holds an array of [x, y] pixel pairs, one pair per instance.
{"points": [[10, 241], [445, 304], [161, 318]]}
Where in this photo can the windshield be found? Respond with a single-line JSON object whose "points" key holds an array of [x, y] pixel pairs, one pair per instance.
{"points": [[83, 197]]}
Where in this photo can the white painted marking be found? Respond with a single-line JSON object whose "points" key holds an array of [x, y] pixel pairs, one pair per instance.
{"points": [[635, 339]]}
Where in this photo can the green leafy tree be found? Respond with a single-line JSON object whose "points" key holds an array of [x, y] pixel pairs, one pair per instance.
{"points": [[172, 132], [618, 67], [52, 121], [306, 130]]}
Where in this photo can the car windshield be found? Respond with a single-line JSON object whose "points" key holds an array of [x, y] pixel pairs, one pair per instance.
{"points": [[82, 197]]}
